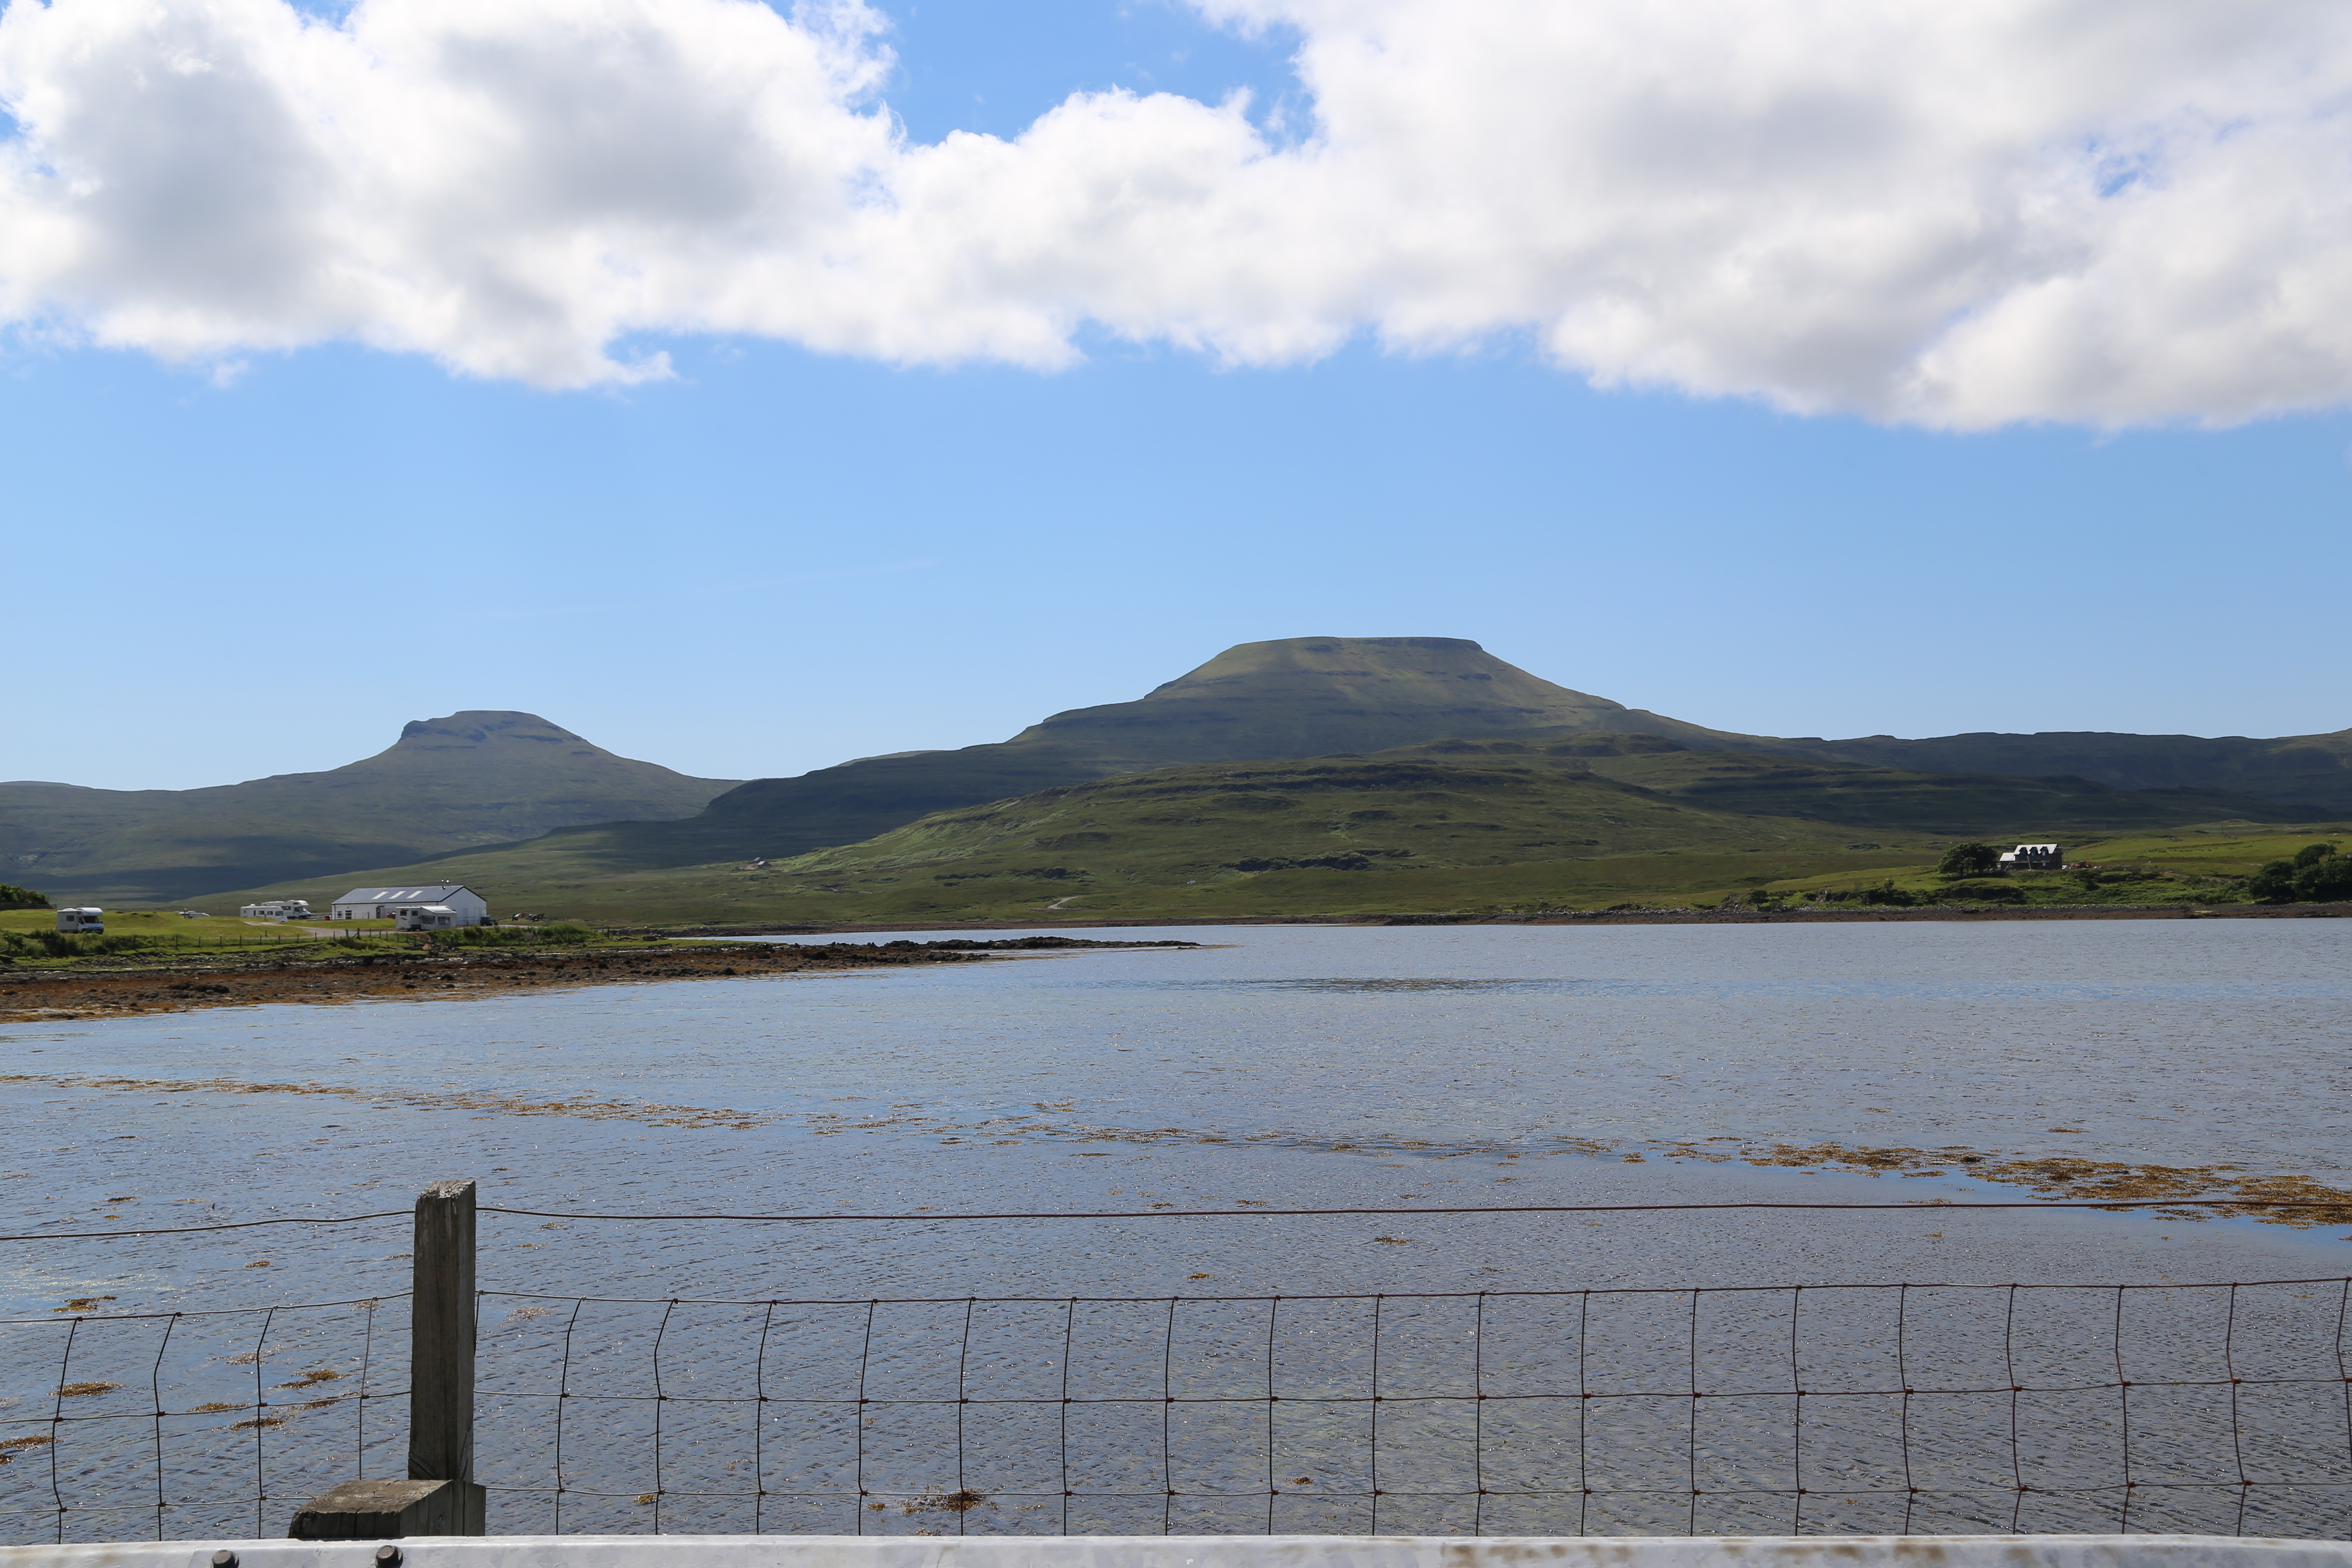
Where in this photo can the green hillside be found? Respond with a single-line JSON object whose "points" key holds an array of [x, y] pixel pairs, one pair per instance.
{"points": [[2313, 770], [1984, 805], [1320, 697], [1321, 836], [1297, 696], [469, 778]]}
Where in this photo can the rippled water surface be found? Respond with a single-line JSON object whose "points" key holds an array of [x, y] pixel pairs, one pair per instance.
{"points": [[1401, 1068]]}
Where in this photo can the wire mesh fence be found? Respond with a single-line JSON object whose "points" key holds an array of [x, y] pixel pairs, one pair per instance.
{"points": [[180, 1423], [1769, 1409], [1875, 1409]]}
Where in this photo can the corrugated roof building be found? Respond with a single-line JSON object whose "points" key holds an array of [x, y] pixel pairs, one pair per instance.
{"points": [[469, 907]]}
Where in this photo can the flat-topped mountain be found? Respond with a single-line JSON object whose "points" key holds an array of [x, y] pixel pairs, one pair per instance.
{"points": [[1313, 696], [475, 777], [1295, 698]]}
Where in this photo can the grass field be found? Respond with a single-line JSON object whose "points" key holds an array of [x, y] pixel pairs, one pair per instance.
{"points": [[168, 923], [29, 938]]}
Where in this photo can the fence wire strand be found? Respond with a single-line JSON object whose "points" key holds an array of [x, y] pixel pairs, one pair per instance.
{"points": [[1925, 1408], [188, 1470], [1894, 1409]]}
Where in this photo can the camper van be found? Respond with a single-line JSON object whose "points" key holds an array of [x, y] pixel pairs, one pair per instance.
{"points": [[83, 922], [425, 917]]}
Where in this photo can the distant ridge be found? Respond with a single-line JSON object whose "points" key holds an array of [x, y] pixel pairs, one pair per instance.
{"points": [[479, 776], [1293, 698], [2305, 770]]}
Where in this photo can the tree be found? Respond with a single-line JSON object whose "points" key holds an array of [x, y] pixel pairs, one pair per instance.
{"points": [[2311, 854], [2273, 884], [13, 897], [1968, 860], [2325, 881]]}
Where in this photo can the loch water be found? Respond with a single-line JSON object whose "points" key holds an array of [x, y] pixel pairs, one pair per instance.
{"points": [[1294, 1066], [1268, 1068]]}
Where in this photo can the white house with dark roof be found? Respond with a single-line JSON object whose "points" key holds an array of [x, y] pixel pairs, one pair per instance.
{"points": [[462, 904], [2033, 857]]}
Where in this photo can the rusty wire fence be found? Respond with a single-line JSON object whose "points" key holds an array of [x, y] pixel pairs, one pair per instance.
{"points": [[1877, 1409]]}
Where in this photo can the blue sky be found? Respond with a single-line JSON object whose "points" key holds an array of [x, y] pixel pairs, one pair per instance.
{"points": [[780, 559]]}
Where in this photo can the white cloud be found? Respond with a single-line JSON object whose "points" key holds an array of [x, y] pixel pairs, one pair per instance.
{"points": [[2102, 211]]}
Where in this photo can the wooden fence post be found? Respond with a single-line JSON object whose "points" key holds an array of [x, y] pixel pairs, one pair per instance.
{"points": [[439, 1497], [441, 1344]]}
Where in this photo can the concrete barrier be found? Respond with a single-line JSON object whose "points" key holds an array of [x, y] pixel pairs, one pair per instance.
{"points": [[1213, 1552]]}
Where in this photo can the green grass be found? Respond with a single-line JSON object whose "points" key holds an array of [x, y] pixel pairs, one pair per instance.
{"points": [[2204, 864], [29, 937]]}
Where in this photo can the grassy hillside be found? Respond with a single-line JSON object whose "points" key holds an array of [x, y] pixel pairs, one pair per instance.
{"points": [[1322, 835], [1980, 805], [1293, 697], [470, 778], [1567, 818], [2314, 771]]}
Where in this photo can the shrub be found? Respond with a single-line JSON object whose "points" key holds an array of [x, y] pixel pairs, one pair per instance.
{"points": [[1889, 894], [1968, 860], [2273, 884], [57, 944], [1997, 892], [2326, 879], [13, 897]]}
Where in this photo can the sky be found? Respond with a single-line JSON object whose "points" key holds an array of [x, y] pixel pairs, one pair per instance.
{"points": [[749, 390]]}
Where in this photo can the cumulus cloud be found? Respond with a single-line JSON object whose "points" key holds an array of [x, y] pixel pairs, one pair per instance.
{"points": [[2100, 211]]}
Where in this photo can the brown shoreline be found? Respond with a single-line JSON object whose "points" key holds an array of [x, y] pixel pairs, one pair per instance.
{"points": [[126, 986], [1573, 916]]}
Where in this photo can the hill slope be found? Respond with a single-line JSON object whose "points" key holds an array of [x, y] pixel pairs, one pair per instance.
{"points": [[1291, 698], [1984, 805], [2310, 769], [470, 778], [1324, 835]]}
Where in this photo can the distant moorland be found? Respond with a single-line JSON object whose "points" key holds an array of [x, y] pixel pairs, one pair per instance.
{"points": [[1494, 788]]}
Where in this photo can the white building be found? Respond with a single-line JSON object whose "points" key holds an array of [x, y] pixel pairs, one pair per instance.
{"points": [[90, 919], [462, 904], [2033, 857], [279, 909]]}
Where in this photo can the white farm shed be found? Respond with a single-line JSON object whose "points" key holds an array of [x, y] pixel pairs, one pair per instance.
{"points": [[469, 907]]}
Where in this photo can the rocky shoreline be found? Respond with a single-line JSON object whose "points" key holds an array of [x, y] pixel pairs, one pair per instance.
{"points": [[125, 987]]}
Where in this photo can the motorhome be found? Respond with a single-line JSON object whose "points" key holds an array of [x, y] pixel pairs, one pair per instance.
{"points": [[82, 922], [279, 909]]}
